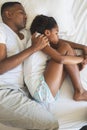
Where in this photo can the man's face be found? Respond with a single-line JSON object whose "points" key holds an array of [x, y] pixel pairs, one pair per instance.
{"points": [[18, 16]]}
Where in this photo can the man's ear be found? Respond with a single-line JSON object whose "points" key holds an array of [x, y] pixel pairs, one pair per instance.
{"points": [[47, 32], [8, 14]]}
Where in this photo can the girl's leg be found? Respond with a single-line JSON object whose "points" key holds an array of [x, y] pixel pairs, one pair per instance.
{"points": [[73, 70], [79, 92], [54, 75]]}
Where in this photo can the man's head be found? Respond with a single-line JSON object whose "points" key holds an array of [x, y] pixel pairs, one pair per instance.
{"points": [[13, 14]]}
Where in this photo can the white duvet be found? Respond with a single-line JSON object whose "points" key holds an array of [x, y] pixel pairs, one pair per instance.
{"points": [[71, 16]]}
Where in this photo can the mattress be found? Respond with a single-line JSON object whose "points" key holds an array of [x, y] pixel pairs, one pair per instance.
{"points": [[71, 16]]}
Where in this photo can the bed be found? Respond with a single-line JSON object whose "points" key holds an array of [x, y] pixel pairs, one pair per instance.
{"points": [[71, 16]]}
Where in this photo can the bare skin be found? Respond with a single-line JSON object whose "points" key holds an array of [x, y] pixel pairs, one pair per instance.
{"points": [[15, 18], [55, 71], [55, 74]]}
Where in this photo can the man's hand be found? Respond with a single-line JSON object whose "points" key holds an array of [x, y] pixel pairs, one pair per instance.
{"points": [[39, 42]]}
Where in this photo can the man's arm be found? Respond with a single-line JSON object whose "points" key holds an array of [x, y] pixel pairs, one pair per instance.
{"points": [[8, 63]]}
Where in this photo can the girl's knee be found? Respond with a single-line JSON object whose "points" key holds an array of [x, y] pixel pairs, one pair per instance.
{"points": [[69, 50], [66, 49]]}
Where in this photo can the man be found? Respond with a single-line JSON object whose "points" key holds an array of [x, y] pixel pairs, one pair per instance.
{"points": [[16, 108]]}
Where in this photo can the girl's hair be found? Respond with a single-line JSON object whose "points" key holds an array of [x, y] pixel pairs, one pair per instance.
{"points": [[41, 23]]}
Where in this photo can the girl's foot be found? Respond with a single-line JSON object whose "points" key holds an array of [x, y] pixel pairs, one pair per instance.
{"points": [[80, 96]]}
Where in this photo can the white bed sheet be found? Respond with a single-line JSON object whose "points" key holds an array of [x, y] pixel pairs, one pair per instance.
{"points": [[71, 115]]}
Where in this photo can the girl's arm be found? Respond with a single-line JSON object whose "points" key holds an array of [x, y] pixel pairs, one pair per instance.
{"points": [[55, 55], [75, 45]]}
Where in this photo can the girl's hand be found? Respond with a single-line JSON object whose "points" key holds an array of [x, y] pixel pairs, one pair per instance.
{"points": [[81, 66], [85, 50], [85, 55], [85, 60]]}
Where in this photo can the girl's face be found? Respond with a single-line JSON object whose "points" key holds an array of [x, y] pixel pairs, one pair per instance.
{"points": [[52, 35]]}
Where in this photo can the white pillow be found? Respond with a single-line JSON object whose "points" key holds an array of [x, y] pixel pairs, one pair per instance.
{"points": [[61, 10]]}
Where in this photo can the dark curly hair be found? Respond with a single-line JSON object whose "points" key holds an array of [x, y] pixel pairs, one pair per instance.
{"points": [[41, 23]]}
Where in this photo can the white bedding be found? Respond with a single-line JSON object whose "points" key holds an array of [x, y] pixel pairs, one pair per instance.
{"points": [[71, 16]]}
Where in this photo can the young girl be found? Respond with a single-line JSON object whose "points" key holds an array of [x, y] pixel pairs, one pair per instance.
{"points": [[45, 70]]}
